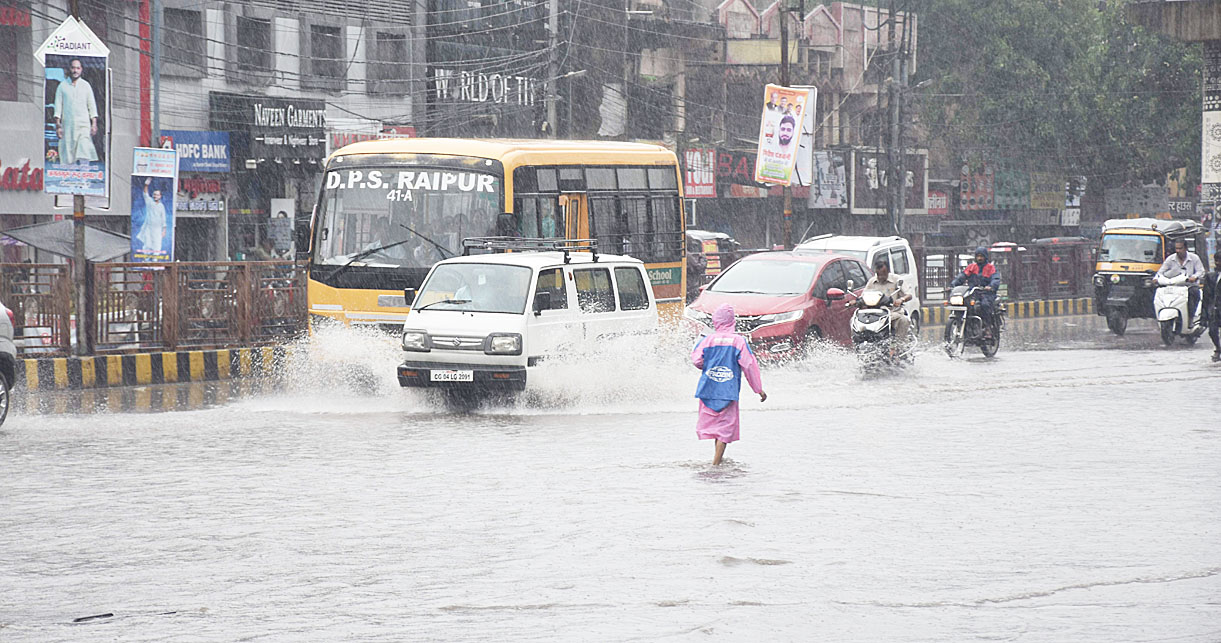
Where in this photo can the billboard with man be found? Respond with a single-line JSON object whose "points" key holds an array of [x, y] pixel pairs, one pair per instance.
{"points": [[76, 101], [780, 133]]}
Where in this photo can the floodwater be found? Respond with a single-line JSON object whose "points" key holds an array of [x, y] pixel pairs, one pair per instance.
{"points": [[1055, 495]]}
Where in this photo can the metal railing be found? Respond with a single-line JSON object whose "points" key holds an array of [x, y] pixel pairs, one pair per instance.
{"points": [[1039, 271], [40, 296], [138, 307]]}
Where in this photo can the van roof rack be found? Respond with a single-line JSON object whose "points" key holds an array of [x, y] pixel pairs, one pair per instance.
{"points": [[531, 244]]}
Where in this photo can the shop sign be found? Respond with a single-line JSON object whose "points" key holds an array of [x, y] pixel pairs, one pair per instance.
{"points": [[21, 178], [198, 151], [341, 132], [479, 87], [1144, 201], [1181, 207], [829, 188], [1013, 190], [1037, 217], [1047, 191], [201, 195], [14, 17], [975, 188], [871, 177], [938, 202], [284, 128], [737, 168], [700, 173], [1070, 217]]}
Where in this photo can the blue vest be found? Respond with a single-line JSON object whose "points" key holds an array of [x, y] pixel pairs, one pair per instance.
{"points": [[722, 377]]}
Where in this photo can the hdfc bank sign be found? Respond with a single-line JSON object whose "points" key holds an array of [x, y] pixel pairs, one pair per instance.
{"points": [[21, 178]]}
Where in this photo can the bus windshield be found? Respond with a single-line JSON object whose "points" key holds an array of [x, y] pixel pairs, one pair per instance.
{"points": [[1141, 248], [403, 216]]}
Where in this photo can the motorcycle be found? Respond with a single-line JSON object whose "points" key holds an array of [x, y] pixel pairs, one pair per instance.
{"points": [[965, 326], [1173, 318], [872, 335]]}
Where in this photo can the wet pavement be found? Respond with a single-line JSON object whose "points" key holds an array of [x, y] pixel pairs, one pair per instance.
{"points": [[1066, 494]]}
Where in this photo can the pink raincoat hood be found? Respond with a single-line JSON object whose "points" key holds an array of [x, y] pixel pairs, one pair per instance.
{"points": [[723, 318]]}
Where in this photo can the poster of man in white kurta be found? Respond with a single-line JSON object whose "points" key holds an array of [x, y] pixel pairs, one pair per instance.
{"points": [[76, 94], [154, 179]]}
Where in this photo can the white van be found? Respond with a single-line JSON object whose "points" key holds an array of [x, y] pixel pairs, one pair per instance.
{"points": [[894, 249], [484, 321]]}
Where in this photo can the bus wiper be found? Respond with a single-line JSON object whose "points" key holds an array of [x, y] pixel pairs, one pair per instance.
{"points": [[365, 253], [444, 251], [444, 301]]}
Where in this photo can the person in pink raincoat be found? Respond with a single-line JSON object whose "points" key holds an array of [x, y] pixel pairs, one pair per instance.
{"points": [[725, 358]]}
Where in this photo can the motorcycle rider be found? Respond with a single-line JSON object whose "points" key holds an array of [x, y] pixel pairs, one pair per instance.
{"points": [[1185, 263], [881, 282], [1212, 304], [982, 274]]}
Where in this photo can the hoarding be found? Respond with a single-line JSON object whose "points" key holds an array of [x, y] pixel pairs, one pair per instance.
{"points": [[154, 186], [829, 187], [871, 177], [76, 95], [780, 133]]}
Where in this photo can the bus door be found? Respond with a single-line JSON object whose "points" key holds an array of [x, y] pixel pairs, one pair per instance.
{"points": [[575, 206]]}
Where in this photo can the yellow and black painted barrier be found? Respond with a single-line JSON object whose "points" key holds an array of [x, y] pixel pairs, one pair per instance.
{"points": [[1022, 309], [148, 368]]}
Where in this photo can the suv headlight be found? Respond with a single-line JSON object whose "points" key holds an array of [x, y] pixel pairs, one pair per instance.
{"points": [[780, 318], [503, 344], [416, 340], [697, 316]]}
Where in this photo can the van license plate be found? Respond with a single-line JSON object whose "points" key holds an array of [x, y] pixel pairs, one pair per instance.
{"points": [[453, 376]]}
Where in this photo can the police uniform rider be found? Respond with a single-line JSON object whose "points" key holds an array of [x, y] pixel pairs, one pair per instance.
{"points": [[883, 282]]}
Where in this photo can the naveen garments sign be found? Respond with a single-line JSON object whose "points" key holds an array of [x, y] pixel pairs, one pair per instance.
{"points": [[264, 127], [198, 151]]}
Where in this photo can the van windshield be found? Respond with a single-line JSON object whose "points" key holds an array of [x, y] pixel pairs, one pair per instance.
{"points": [[859, 255], [476, 288], [1142, 248]]}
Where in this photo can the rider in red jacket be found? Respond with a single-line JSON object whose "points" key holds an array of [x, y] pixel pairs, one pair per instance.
{"points": [[982, 273]]}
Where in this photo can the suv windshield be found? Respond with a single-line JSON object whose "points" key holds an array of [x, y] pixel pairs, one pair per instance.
{"points": [[476, 288], [430, 210], [767, 277], [1143, 248]]}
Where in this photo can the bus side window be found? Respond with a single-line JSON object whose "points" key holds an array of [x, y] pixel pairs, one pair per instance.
{"points": [[527, 216], [551, 219]]}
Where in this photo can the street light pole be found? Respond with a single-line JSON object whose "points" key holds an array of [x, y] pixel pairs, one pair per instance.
{"points": [[78, 247], [784, 81]]}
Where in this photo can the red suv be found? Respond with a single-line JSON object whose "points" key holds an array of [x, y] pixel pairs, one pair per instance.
{"points": [[782, 301]]}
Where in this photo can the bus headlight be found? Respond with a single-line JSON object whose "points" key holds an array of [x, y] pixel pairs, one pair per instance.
{"points": [[416, 340], [503, 344]]}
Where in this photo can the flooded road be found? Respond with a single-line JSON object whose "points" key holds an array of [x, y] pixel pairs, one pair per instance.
{"points": [[1051, 495]]}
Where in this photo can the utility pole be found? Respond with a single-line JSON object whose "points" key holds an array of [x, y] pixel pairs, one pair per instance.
{"points": [[784, 82], [895, 183], [553, 70], [901, 123], [78, 246]]}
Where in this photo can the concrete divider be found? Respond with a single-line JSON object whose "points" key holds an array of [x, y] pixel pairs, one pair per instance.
{"points": [[148, 368], [1022, 309]]}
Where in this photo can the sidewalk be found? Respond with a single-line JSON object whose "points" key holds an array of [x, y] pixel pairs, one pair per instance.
{"points": [[148, 368]]}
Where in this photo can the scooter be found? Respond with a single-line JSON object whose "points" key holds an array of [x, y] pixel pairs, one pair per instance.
{"points": [[1173, 318], [966, 326], [872, 334]]}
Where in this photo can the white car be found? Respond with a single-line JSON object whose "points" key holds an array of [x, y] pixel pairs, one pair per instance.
{"points": [[483, 322], [8, 360], [896, 250]]}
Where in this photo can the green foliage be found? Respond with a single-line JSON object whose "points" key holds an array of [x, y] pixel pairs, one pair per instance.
{"points": [[1060, 86]]}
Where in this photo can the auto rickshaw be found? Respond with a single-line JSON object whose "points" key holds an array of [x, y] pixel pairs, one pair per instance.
{"points": [[1129, 254]]}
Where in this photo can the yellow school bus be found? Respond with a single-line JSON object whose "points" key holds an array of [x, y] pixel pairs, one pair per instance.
{"points": [[390, 209]]}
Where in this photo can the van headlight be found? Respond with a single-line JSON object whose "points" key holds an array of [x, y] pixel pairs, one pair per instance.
{"points": [[416, 340], [503, 344], [780, 318]]}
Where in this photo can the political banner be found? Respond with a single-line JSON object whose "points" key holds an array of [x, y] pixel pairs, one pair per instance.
{"points": [[829, 188], [154, 186], [780, 133], [76, 93], [803, 174]]}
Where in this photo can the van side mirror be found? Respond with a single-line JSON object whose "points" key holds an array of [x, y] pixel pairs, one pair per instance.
{"points": [[408, 296], [542, 301]]}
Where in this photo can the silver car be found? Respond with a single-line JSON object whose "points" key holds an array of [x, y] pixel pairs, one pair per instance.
{"points": [[8, 360]]}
